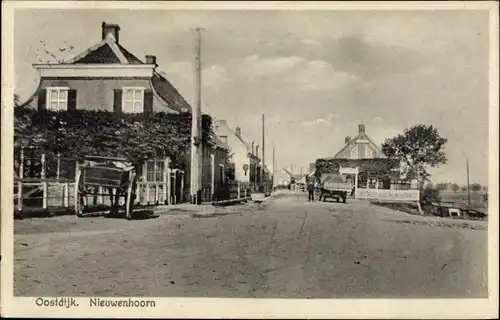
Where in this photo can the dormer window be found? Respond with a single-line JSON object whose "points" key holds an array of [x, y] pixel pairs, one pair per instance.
{"points": [[133, 100], [57, 98]]}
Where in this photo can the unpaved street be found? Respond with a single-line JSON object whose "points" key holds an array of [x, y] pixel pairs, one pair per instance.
{"points": [[288, 249]]}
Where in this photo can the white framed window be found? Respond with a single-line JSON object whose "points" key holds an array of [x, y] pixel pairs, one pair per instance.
{"points": [[133, 100], [57, 98]]}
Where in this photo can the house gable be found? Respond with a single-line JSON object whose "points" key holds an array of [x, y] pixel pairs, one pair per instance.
{"points": [[105, 68], [360, 147]]}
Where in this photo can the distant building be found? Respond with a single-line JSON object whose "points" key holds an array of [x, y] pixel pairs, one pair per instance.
{"points": [[375, 170], [359, 147], [247, 166]]}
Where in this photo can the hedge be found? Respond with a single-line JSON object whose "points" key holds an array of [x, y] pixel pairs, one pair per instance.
{"points": [[376, 167], [77, 133]]}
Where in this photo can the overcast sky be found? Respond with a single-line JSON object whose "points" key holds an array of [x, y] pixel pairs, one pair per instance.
{"points": [[315, 74]]}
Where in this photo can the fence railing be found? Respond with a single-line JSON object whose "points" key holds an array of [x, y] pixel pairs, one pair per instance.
{"points": [[43, 182]]}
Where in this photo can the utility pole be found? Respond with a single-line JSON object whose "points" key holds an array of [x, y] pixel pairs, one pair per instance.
{"points": [[274, 166], [196, 142], [468, 181], [263, 155]]}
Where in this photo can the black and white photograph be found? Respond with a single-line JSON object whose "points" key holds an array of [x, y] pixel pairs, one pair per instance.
{"points": [[249, 159]]}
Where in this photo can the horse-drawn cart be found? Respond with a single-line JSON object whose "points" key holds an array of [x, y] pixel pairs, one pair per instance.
{"points": [[116, 175]]}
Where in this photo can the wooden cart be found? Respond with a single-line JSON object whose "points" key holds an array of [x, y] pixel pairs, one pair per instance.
{"points": [[116, 175]]}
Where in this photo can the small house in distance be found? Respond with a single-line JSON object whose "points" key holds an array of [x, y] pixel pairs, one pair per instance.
{"points": [[375, 170], [247, 164]]}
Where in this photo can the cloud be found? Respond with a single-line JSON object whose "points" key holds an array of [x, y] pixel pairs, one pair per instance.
{"points": [[377, 119], [257, 66], [320, 121], [216, 76], [319, 75]]}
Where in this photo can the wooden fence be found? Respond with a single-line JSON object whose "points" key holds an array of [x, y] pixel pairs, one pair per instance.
{"points": [[42, 183]]}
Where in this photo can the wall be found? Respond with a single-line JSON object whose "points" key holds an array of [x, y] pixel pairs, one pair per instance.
{"points": [[98, 94]]}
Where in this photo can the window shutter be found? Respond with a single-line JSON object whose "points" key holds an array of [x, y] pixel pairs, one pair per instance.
{"points": [[148, 102], [72, 99], [42, 99], [117, 101]]}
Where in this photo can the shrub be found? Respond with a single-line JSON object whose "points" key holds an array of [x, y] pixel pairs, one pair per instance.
{"points": [[429, 194], [76, 133]]}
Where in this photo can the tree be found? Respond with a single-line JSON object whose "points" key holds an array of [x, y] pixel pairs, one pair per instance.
{"points": [[455, 187], [463, 188], [442, 186], [418, 148], [475, 187]]}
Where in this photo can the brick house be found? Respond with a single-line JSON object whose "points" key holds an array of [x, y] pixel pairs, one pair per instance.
{"points": [[107, 77]]}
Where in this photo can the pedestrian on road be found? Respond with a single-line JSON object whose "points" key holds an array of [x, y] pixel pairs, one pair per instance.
{"points": [[310, 189]]}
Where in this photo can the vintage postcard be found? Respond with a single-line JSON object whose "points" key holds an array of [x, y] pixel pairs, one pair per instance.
{"points": [[249, 159]]}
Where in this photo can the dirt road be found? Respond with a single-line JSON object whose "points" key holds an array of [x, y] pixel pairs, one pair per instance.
{"points": [[288, 249]]}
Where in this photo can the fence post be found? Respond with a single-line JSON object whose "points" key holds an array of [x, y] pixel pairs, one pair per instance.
{"points": [[174, 193], [145, 170], [66, 194], [157, 185], [45, 194], [20, 195], [100, 199], [157, 193], [20, 183], [181, 196], [21, 166], [165, 183], [169, 185], [42, 174], [58, 169], [148, 195]]}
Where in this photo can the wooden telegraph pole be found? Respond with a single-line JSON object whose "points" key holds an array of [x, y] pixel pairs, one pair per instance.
{"points": [[274, 167], [263, 156], [196, 144]]}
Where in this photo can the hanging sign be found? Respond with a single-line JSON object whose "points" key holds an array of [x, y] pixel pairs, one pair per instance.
{"points": [[245, 168]]}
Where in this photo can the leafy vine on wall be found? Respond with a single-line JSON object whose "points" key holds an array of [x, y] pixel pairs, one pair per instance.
{"points": [[77, 133]]}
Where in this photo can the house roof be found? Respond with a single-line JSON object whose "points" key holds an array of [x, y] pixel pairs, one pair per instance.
{"points": [[360, 136], [218, 142], [245, 143], [108, 51]]}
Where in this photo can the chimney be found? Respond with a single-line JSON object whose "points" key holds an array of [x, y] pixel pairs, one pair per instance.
{"points": [[257, 151], [238, 131], [151, 60], [361, 128], [253, 146], [114, 29], [347, 139]]}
